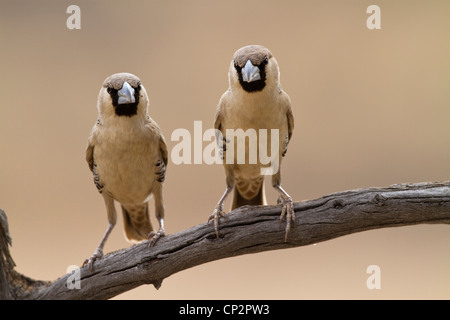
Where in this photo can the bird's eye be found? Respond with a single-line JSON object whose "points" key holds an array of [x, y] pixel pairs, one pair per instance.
{"points": [[266, 60], [108, 88]]}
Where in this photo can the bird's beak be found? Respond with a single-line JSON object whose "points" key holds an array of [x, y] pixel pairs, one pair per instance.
{"points": [[250, 72], [126, 94]]}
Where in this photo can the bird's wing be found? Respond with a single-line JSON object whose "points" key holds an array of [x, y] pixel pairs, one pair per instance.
{"points": [[290, 119], [218, 125], [163, 150], [162, 161], [90, 148], [90, 157], [218, 117], [290, 116]]}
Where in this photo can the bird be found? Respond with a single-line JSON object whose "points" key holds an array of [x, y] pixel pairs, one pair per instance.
{"points": [[127, 155], [254, 101]]}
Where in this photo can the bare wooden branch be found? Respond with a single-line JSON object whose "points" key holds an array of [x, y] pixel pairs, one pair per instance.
{"points": [[13, 285], [249, 230], [6, 261]]}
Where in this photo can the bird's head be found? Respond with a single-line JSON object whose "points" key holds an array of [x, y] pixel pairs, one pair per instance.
{"points": [[122, 95], [253, 68]]}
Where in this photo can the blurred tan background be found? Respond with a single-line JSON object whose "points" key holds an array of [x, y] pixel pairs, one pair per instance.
{"points": [[371, 107]]}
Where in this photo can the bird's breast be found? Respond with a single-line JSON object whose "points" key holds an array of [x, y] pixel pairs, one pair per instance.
{"points": [[255, 114], [255, 132], [126, 165]]}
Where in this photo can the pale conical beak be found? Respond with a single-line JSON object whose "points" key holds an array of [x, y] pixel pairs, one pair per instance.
{"points": [[126, 94], [250, 72]]}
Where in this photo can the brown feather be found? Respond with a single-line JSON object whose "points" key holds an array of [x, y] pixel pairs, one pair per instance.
{"points": [[256, 199], [255, 53], [136, 222], [116, 80]]}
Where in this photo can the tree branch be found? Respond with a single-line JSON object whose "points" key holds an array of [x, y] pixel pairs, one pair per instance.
{"points": [[246, 230]]}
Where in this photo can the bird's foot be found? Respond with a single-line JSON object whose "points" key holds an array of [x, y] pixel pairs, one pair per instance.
{"points": [[154, 236], [216, 215], [97, 255], [288, 212]]}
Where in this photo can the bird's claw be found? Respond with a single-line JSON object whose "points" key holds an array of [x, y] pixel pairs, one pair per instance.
{"points": [[97, 255], [216, 215], [288, 211], [154, 236]]}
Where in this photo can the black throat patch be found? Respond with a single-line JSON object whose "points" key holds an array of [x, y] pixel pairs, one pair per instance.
{"points": [[126, 109], [253, 86]]}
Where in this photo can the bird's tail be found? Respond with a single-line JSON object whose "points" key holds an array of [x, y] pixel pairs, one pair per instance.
{"points": [[136, 222], [244, 196]]}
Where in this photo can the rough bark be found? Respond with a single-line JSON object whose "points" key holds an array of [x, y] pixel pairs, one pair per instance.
{"points": [[245, 230]]}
